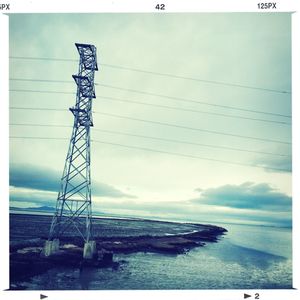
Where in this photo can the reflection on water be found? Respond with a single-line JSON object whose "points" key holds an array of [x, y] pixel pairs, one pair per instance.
{"points": [[247, 257], [86, 275]]}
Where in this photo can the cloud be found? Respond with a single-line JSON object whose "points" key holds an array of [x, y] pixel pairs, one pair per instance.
{"points": [[32, 177], [189, 211], [44, 179], [171, 210], [282, 164], [246, 196], [31, 197], [102, 189]]}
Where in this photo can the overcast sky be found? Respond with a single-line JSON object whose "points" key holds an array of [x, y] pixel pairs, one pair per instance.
{"points": [[243, 49]]}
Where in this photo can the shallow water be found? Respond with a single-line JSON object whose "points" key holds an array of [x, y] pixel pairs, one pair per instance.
{"points": [[249, 257]]}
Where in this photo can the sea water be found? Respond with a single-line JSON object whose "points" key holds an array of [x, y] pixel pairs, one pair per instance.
{"points": [[247, 257]]}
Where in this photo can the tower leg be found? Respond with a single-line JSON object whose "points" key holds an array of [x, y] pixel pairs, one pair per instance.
{"points": [[89, 250], [51, 247]]}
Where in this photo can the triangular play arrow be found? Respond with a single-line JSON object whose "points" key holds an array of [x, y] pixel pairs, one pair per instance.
{"points": [[246, 296], [43, 296]]}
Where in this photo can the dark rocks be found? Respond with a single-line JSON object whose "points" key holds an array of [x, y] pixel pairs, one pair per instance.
{"points": [[172, 244], [19, 244]]}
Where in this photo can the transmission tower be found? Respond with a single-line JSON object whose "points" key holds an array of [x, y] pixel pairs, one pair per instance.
{"points": [[74, 203]]}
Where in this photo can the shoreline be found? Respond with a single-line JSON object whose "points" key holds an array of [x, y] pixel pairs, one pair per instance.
{"points": [[169, 243], [172, 238]]}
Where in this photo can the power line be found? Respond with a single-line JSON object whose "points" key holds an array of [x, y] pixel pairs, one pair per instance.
{"points": [[37, 138], [37, 108], [193, 128], [164, 152], [198, 79], [41, 80], [42, 92], [40, 125], [190, 156], [146, 93], [43, 58], [168, 124], [189, 143], [171, 107], [159, 139], [196, 111], [162, 74], [193, 101]]}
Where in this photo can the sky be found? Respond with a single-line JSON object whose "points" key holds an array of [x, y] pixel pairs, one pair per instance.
{"points": [[199, 178]]}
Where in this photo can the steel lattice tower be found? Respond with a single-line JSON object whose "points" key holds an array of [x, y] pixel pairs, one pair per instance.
{"points": [[73, 206]]}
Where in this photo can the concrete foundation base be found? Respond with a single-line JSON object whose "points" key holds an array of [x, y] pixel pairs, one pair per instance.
{"points": [[51, 247], [89, 250]]}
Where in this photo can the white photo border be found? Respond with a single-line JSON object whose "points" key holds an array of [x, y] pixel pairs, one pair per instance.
{"points": [[145, 6]]}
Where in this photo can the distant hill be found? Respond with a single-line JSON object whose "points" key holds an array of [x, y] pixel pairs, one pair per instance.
{"points": [[41, 208]]}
